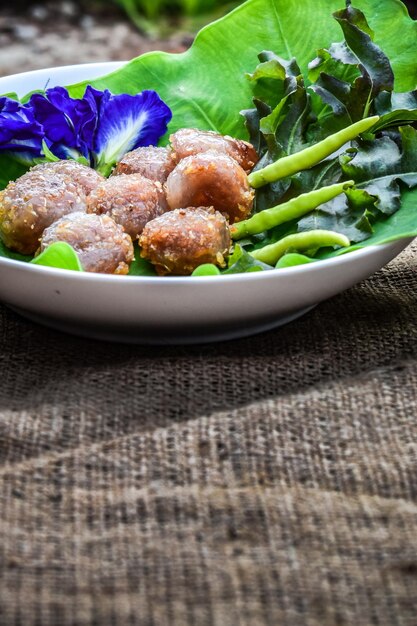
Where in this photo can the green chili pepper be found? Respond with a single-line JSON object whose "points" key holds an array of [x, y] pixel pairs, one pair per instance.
{"points": [[303, 160], [293, 209], [309, 240]]}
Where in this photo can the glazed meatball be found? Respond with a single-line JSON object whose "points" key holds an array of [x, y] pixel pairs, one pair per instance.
{"points": [[32, 203], [211, 179], [87, 178], [131, 200], [153, 163], [101, 244], [179, 241], [189, 141]]}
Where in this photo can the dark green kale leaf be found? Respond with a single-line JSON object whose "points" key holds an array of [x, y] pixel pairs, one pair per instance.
{"points": [[289, 116], [373, 63], [349, 75], [379, 167], [395, 108], [346, 215], [278, 123]]}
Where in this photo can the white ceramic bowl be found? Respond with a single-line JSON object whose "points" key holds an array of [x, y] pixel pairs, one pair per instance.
{"points": [[170, 310]]}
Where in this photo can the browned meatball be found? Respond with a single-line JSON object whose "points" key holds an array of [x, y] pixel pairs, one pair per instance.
{"points": [[153, 163], [87, 178], [101, 244], [189, 141], [179, 241], [131, 200], [33, 202], [211, 179]]}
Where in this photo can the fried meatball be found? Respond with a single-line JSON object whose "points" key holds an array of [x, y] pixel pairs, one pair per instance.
{"points": [[179, 241], [101, 244], [32, 203], [153, 163], [87, 178], [189, 141], [211, 179], [131, 200]]}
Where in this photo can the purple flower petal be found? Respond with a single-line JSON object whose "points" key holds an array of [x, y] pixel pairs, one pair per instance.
{"points": [[68, 123], [126, 122], [99, 128], [19, 131]]}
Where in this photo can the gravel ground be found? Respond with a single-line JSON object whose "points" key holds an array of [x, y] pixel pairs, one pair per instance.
{"points": [[57, 33]]}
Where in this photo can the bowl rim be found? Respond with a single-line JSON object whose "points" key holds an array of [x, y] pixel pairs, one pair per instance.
{"points": [[96, 65], [319, 265]]}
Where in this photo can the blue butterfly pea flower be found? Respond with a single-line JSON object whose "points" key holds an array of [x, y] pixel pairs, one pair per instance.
{"points": [[100, 127], [68, 123], [125, 122], [20, 133]]}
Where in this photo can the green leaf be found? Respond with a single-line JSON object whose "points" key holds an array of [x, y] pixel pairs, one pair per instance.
{"points": [[291, 259], [349, 75], [9, 170], [240, 262], [207, 85], [395, 109], [400, 225], [252, 119], [343, 215], [269, 79], [61, 255], [331, 113], [207, 269], [329, 62], [378, 165], [141, 267], [49, 156], [359, 37]]}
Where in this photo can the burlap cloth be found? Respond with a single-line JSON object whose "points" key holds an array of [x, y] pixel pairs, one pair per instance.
{"points": [[271, 480]]}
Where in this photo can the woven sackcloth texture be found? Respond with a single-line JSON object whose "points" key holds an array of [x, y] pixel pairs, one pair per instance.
{"points": [[266, 481]]}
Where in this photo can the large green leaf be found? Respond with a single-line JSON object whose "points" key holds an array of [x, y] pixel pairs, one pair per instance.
{"points": [[207, 86]]}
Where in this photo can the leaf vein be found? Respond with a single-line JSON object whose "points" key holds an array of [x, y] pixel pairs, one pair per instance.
{"points": [[281, 30]]}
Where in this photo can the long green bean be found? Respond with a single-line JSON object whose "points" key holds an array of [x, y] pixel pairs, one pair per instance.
{"points": [[308, 240], [293, 209], [307, 158]]}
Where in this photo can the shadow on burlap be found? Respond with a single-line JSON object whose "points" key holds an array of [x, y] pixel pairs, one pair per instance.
{"points": [[267, 481]]}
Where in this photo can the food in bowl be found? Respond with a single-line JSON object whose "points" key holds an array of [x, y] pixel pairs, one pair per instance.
{"points": [[326, 169]]}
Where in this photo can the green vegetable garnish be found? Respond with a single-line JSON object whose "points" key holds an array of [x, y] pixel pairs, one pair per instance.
{"points": [[207, 269], [312, 240], [60, 255], [307, 158], [293, 209], [312, 85], [291, 259]]}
